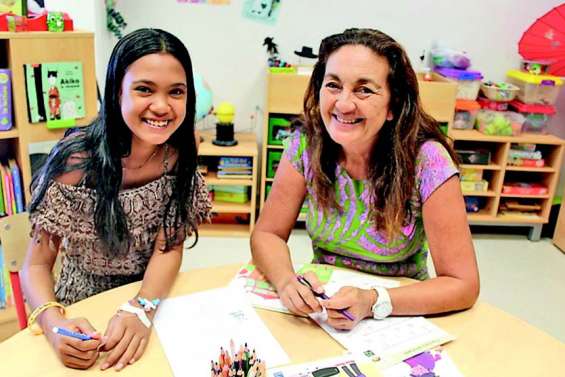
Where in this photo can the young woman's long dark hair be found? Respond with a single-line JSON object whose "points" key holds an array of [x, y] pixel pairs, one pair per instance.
{"points": [[108, 139], [392, 162]]}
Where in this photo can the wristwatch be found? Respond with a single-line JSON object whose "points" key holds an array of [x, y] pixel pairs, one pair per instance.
{"points": [[383, 307]]}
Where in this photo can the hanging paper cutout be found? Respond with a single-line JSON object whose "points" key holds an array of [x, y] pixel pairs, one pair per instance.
{"points": [[262, 10]]}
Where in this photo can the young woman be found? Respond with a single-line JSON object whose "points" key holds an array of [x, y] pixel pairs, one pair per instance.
{"points": [[117, 199], [379, 179]]}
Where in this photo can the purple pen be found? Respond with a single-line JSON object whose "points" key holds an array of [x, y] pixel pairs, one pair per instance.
{"points": [[302, 280]]}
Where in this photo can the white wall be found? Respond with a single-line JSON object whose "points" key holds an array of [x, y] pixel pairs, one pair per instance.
{"points": [[227, 49]]}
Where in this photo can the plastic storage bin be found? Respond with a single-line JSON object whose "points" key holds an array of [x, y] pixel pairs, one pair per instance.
{"points": [[501, 92], [465, 114], [487, 104], [468, 82], [535, 88], [279, 129], [502, 123], [273, 159], [536, 116]]}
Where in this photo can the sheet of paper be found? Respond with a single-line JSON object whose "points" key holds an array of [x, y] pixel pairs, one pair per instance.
{"points": [[390, 340], [345, 366], [429, 363], [192, 329], [263, 295]]}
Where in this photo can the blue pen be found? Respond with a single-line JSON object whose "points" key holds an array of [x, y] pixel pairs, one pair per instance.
{"points": [[302, 280], [72, 334]]}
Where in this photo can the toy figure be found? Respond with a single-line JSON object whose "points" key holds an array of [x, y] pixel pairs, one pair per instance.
{"points": [[273, 51], [54, 98]]}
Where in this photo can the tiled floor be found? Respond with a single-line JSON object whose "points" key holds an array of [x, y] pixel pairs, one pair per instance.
{"points": [[526, 279]]}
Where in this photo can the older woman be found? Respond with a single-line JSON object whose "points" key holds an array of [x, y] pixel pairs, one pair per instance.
{"points": [[379, 179]]}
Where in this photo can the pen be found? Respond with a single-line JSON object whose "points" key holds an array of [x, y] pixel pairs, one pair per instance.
{"points": [[72, 334], [323, 296]]}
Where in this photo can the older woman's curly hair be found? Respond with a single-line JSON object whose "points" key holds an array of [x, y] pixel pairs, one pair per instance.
{"points": [[393, 157]]}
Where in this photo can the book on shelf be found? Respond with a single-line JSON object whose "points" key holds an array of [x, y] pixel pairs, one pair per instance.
{"points": [[524, 188], [55, 91], [234, 162], [6, 122], [516, 154], [527, 162], [12, 195], [17, 182]]}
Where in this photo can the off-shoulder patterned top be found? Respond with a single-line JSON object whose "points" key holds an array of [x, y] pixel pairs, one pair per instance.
{"points": [[350, 238], [67, 211]]}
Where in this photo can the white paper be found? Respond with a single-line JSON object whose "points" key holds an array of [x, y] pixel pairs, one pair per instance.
{"points": [[429, 363], [368, 368], [192, 329], [391, 340], [343, 278]]}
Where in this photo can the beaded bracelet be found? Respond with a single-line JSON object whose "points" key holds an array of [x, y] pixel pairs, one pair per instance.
{"points": [[148, 305], [31, 322]]}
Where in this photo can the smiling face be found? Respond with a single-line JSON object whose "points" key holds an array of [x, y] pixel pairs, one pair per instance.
{"points": [[153, 98], [354, 97]]}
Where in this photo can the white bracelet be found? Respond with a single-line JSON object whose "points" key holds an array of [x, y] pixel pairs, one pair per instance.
{"points": [[139, 312]]}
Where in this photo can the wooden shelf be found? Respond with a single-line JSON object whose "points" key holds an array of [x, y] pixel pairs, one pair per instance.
{"points": [[212, 179], [37, 47], [479, 193], [228, 230], [474, 135], [524, 219], [225, 207], [246, 147], [545, 196], [271, 146], [10, 134], [481, 167], [545, 169]]}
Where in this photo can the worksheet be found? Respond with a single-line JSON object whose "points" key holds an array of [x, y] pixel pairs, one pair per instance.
{"points": [[192, 329], [390, 340]]}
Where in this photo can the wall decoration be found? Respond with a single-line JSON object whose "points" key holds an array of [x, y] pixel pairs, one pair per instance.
{"points": [[114, 20], [262, 10]]}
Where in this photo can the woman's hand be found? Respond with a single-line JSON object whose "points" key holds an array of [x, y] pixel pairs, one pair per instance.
{"points": [[126, 338], [299, 298], [74, 353], [356, 301]]}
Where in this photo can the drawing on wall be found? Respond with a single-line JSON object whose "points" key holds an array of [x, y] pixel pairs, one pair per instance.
{"points": [[262, 10], [212, 2]]}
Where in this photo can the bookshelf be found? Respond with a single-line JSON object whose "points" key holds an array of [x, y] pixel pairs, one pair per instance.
{"points": [[17, 49], [246, 147]]}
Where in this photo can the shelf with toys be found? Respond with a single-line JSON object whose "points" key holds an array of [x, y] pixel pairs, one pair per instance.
{"points": [[18, 49], [510, 164], [285, 94]]}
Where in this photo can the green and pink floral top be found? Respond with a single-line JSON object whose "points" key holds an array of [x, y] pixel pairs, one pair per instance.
{"points": [[350, 239]]}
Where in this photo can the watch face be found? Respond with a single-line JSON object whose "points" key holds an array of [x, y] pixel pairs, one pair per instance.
{"points": [[382, 310]]}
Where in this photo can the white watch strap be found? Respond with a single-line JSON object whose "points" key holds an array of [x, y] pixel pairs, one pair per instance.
{"points": [[139, 312]]}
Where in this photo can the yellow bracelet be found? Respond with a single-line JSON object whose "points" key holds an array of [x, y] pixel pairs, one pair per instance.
{"points": [[32, 325]]}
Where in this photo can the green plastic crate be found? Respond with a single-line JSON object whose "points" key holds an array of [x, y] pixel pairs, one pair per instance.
{"points": [[273, 159], [278, 126]]}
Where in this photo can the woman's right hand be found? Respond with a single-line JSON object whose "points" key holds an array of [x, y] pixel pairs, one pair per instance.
{"points": [[297, 297], [74, 353]]}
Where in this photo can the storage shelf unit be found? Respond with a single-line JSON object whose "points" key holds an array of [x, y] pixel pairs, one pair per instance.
{"points": [[285, 93], [246, 147], [499, 172], [17, 49], [43, 47]]}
